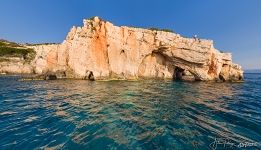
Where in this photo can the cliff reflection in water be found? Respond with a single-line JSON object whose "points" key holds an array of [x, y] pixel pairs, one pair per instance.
{"points": [[127, 115]]}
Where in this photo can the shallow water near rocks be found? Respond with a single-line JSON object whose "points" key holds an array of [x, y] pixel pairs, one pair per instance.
{"points": [[75, 114]]}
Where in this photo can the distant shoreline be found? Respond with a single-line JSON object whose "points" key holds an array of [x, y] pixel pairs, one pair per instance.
{"points": [[252, 71]]}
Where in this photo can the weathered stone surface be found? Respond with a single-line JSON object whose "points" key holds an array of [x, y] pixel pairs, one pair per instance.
{"points": [[112, 52], [15, 65]]}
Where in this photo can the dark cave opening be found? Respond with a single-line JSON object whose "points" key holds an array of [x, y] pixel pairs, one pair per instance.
{"points": [[91, 76], [178, 73]]}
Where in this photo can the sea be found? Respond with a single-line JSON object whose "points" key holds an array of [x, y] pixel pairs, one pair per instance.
{"points": [[148, 114]]}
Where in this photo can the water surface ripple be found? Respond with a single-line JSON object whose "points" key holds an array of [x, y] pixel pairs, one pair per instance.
{"points": [[75, 114]]}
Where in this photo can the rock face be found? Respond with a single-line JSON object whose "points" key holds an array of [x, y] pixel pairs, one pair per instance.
{"points": [[15, 65], [15, 58], [112, 52]]}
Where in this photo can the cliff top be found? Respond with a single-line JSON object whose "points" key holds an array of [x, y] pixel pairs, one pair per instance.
{"points": [[12, 49], [98, 19]]}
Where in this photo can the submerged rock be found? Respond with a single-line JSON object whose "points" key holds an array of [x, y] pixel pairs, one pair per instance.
{"points": [[113, 52]]}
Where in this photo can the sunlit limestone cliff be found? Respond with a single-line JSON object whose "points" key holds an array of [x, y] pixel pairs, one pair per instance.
{"points": [[101, 50]]}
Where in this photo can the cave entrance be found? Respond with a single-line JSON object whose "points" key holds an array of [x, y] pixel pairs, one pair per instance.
{"points": [[89, 76], [178, 73], [181, 74]]}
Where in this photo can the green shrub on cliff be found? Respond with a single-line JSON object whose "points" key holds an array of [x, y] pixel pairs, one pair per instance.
{"points": [[11, 49], [29, 44], [92, 18], [5, 43], [165, 30]]}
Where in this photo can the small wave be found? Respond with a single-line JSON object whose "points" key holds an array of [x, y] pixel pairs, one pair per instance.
{"points": [[31, 119], [8, 113]]}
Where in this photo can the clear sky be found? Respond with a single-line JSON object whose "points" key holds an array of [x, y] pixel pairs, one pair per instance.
{"points": [[234, 25]]}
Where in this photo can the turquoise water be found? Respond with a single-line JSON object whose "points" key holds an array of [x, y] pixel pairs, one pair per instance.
{"points": [[75, 114]]}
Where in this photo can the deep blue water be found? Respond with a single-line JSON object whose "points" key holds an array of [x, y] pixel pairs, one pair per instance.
{"points": [[75, 114]]}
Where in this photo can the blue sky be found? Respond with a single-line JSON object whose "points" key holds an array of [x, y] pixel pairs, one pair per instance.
{"points": [[234, 25]]}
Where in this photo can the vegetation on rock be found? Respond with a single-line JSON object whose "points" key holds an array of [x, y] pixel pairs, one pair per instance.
{"points": [[92, 18], [29, 44], [11, 49], [164, 30]]}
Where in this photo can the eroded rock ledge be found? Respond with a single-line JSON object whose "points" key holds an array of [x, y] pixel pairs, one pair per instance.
{"points": [[111, 52]]}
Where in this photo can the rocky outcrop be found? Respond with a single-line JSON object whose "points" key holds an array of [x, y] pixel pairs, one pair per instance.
{"points": [[112, 52], [15, 65], [15, 58]]}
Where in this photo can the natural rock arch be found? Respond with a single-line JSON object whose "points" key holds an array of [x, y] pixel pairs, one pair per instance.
{"points": [[156, 65]]}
